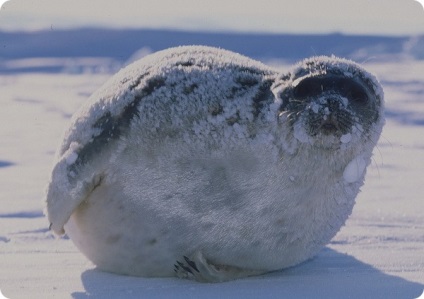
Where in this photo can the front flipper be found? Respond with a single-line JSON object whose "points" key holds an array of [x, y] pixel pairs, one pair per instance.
{"points": [[199, 269]]}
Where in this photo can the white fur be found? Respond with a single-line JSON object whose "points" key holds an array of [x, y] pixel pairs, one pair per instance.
{"points": [[247, 195]]}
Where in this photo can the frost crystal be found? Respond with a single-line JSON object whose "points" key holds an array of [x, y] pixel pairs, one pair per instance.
{"points": [[315, 107], [300, 133], [346, 138], [326, 111]]}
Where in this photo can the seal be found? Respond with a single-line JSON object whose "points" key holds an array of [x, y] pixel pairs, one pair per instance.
{"points": [[202, 163]]}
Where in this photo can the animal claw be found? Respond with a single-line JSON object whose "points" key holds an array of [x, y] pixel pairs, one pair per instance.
{"points": [[184, 267], [191, 264]]}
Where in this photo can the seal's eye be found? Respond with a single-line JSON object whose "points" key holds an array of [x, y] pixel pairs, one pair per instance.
{"points": [[353, 91], [308, 87]]}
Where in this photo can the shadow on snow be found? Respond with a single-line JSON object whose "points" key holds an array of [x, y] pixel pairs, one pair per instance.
{"points": [[330, 275], [5, 164]]}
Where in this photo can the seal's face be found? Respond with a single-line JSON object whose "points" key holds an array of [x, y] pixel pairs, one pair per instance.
{"points": [[328, 106]]}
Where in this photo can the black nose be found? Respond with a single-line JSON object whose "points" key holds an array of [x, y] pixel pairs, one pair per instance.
{"points": [[329, 124], [333, 104], [329, 127]]}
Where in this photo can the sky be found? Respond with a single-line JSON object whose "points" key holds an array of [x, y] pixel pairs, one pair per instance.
{"points": [[382, 17]]}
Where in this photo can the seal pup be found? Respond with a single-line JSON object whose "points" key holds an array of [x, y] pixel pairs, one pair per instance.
{"points": [[202, 163]]}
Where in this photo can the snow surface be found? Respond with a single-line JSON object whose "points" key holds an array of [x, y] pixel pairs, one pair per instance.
{"points": [[378, 254]]}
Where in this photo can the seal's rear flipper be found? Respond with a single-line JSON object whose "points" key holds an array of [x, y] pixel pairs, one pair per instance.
{"points": [[199, 269], [67, 189]]}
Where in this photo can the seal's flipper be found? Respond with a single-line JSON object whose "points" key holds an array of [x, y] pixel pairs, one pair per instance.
{"points": [[201, 270], [84, 157], [64, 195], [95, 131], [86, 151]]}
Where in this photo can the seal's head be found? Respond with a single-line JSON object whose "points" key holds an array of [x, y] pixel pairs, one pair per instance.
{"points": [[329, 102]]}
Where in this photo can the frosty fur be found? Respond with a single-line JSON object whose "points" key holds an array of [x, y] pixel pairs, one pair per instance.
{"points": [[189, 155]]}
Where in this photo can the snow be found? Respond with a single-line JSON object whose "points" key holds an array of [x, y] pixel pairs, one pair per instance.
{"points": [[378, 254], [354, 170], [71, 158], [300, 133]]}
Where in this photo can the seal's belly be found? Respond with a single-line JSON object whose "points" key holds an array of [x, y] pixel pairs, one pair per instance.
{"points": [[238, 211]]}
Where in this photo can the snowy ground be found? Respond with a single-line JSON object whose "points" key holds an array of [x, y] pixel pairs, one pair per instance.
{"points": [[378, 254]]}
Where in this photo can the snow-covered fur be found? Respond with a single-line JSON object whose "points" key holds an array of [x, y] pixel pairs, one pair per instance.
{"points": [[206, 157]]}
